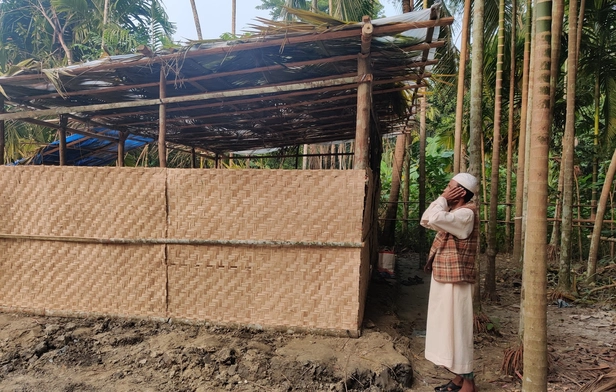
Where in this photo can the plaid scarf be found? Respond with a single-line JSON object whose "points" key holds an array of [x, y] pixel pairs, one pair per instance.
{"points": [[453, 259]]}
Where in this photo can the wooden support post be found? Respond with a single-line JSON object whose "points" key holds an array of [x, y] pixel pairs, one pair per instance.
{"points": [[364, 98], [193, 158], [1, 131], [422, 176], [121, 149], [162, 120], [62, 132]]}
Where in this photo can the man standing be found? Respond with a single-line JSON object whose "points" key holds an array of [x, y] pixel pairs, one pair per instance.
{"points": [[449, 329]]}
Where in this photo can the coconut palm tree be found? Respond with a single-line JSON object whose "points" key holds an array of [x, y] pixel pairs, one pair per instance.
{"points": [[564, 275], [535, 265], [63, 31]]}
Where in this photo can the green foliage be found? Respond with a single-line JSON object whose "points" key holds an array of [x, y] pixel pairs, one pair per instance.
{"points": [[348, 10], [31, 29]]}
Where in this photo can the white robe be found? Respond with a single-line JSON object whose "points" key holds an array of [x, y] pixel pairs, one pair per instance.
{"points": [[449, 327]]}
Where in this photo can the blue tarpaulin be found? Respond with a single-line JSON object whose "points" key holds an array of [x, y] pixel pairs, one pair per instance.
{"points": [[86, 150]]}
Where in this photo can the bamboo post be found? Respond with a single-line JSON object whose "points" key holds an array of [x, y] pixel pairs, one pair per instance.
{"points": [[1, 131], [364, 93], [121, 149], [422, 177], [62, 132], [162, 120]]}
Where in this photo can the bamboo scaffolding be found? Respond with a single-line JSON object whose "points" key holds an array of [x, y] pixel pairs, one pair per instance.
{"points": [[220, 75], [279, 97], [180, 99]]}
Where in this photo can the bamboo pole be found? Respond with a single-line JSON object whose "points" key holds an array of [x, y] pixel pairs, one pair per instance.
{"points": [[62, 132], [185, 98], [309, 99], [364, 103], [70, 129], [422, 177], [2, 131], [121, 149], [193, 158], [218, 75], [162, 119], [181, 241]]}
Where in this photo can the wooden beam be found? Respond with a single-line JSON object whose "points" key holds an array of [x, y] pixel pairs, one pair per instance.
{"points": [[62, 141], [2, 131], [364, 101], [121, 149], [162, 120], [186, 98]]}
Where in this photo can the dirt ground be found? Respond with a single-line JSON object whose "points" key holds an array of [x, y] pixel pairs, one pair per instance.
{"points": [[101, 354]]}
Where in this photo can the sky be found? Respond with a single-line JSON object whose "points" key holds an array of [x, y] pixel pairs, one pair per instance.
{"points": [[215, 16]]}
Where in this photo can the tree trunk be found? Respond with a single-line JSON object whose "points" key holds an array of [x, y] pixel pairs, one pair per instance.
{"points": [[596, 232], [196, 18], [519, 186], [558, 12], [105, 16], [233, 16], [391, 212], [595, 162], [531, 72], [535, 252], [564, 274], [405, 186], [555, 236], [491, 252], [457, 149], [422, 177], [476, 117], [512, 67], [315, 6]]}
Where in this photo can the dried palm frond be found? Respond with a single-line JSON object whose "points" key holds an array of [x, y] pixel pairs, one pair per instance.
{"points": [[317, 19], [603, 383]]}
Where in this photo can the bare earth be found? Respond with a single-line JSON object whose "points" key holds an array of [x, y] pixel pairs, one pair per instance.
{"points": [[100, 354]]}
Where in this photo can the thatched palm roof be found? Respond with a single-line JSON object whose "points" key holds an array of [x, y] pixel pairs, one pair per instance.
{"points": [[289, 84]]}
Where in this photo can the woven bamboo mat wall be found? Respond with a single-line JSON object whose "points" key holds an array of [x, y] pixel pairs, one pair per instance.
{"points": [[276, 286], [284, 205], [44, 276], [291, 287], [97, 202]]}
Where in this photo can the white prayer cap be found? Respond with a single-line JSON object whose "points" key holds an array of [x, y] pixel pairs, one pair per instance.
{"points": [[468, 181]]}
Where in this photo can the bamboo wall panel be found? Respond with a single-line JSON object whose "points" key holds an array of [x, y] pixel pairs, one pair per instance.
{"points": [[46, 276], [283, 205], [274, 286], [98, 202], [293, 287]]}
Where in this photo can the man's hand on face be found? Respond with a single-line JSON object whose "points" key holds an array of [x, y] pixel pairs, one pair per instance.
{"points": [[453, 194]]}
